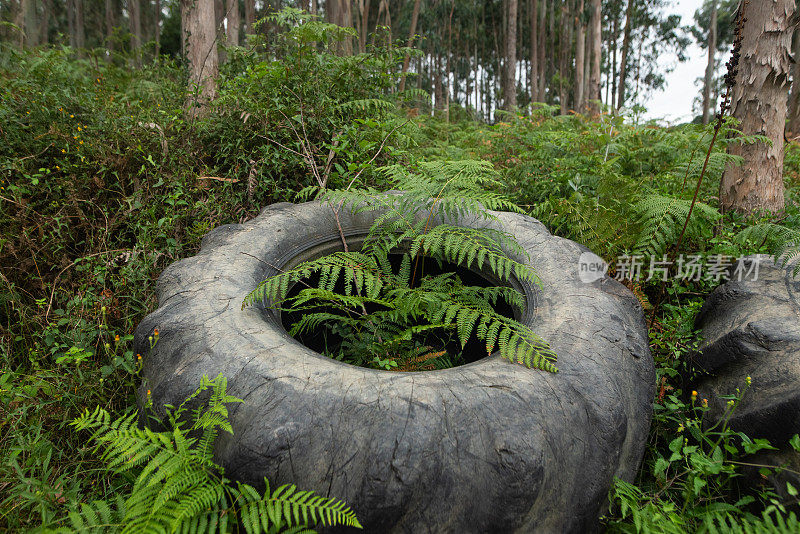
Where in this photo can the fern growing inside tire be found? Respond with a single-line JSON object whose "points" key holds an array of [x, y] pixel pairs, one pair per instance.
{"points": [[401, 315]]}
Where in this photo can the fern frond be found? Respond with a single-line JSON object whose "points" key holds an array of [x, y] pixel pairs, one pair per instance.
{"points": [[179, 488], [661, 219], [781, 242]]}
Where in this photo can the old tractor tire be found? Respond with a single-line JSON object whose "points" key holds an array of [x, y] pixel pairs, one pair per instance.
{"points": [[490, 446]]}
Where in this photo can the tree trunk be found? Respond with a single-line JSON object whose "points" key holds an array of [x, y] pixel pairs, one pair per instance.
{"points": [[437, 83], [794, 97], [623, 62], [712, 49], [564, 49], [613, 43], [201, 52], [234, 21], [597, 49], [580, 53], [70, 23], [541, 51], [80, 32], [157, 28], [219, 20], [363, 8], [759, 102], [339, 13], [533, 79], [249, 16], [110, 23], [29, 23], [551, 47], [47, 8], [411, 33], [135, 21], [510, 83]]}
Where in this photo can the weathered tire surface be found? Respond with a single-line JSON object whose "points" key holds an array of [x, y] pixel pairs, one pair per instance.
{"points": [[485, 447], [752, 328]]}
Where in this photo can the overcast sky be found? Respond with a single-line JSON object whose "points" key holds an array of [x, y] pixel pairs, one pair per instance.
{"points": [[674, 102]]}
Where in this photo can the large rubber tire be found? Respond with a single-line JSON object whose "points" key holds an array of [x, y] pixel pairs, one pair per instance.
{"points": [[486, 447], [751, 327]]}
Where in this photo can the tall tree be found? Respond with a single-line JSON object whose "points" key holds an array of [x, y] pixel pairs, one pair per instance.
{"points": [[340, 12], [234, 21], [201, 52], [541, 50], [580, 53], [249, 16], [111, 21], [157, 27], [363, 24], [533, 78], [30, 23], [47, 9], [510, 72], [710, 67], [759, 102], [135, 22], [724, 11], [626, 45], [564, 50], [596, 24], [411, 33]]}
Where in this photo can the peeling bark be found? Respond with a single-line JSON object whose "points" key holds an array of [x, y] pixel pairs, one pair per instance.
{"points": [[760, 102]]}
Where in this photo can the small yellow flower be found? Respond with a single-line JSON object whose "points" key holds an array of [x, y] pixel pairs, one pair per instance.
{"points": [[694, 396], [72, 116], [705, 403], [63, 151], [116, 338], [74, 136], [155, 332], [57, 167], [730, 403], [148, 392], [748, 380], [139, 357], [79, 128], [81, 142]]}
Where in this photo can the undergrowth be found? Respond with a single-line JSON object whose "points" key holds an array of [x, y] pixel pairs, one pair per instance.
{"points": [[104, 181]]}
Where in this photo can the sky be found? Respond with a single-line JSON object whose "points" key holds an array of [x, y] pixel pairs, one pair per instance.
{"points": [[674, 102]]}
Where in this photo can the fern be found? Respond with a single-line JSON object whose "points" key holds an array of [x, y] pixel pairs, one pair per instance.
{"points": [[782, 242], [372, 106], [387, 316], [178, 487], [770, 522], [661, 219]]}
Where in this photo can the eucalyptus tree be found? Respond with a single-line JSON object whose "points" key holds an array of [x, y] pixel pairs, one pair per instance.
{"points": [[759, 102], [713, 29]]}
